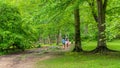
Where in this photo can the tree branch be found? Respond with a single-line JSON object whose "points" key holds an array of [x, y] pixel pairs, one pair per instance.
{"points": [[91, 4], [105, 5]]}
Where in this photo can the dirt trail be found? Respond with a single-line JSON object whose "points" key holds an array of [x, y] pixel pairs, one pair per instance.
{"points": [[26, 59]]}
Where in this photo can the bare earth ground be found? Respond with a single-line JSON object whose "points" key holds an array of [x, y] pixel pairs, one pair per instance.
{"points": [[26, 59]]}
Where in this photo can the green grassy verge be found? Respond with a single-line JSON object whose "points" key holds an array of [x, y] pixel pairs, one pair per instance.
{"points": [[85, 60], [79, 60]]}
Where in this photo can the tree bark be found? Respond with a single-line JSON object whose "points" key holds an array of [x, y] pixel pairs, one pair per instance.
{"points": [[101, 44], [100, 19], [58, 38], [78, 47], [86, 30], [49, 39]]}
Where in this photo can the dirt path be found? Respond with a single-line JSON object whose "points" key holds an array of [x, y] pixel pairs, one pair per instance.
{"points": [[26, 59]]}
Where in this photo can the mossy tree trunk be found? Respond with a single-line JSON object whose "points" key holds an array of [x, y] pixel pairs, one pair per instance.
{"points": [[101, 44]]}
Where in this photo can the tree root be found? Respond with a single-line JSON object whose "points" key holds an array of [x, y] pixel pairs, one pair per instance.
{"points": [[77, 49], [102, 49]]}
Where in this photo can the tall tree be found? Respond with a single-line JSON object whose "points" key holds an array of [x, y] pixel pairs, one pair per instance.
{"points": [[101, 45], [78, 47], [100, 19]]}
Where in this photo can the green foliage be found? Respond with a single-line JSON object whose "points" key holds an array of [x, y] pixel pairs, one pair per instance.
{"points": [[112, 20], [10, 26], [14, 31], [25, 22]]}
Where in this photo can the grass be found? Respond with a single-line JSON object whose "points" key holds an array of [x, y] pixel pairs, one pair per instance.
{"points": [[80, 60], [90, 45], [115, 45], [85, 60]]}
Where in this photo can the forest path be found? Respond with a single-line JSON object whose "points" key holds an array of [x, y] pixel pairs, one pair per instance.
{"points": [[29, 58]]}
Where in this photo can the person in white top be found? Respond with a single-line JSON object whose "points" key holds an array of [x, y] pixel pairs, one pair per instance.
{"points": [[67, 42]]}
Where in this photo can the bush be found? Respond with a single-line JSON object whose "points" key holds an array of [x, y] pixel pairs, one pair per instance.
{"points": [[11, 32]]}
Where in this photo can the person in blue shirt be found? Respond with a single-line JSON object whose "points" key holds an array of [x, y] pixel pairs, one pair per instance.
{"points": [[63, 42]]}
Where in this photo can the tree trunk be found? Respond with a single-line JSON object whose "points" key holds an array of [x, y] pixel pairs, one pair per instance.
{"points": [[101, 44], [78, 47], [49, 39], [86, 30], [100, 19], [58, 38]]}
